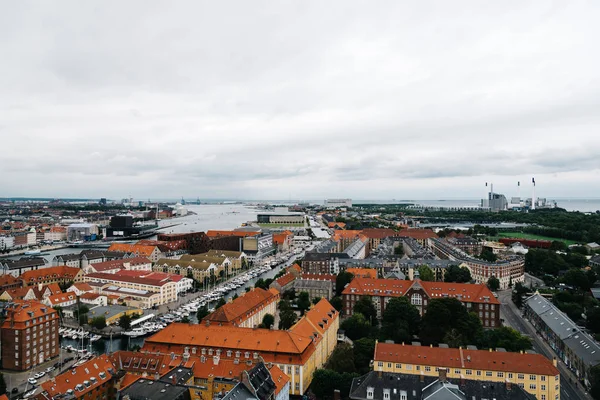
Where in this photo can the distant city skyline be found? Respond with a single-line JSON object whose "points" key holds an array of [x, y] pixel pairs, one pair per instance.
{"points": [[301, 100]]}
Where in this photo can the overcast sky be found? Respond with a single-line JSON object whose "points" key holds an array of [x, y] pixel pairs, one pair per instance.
{"points": [[301, 100]]}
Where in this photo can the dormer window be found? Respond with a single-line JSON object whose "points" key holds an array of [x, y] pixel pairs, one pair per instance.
{"points": [[370, 393]]}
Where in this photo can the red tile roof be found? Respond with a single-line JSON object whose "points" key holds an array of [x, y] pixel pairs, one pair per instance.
{"points": [[285, 279], [337, 235], [368, 286], [376, 233], [74, 378], [22, 309], [241, 308], [164, 245], [141, 277], [6, 280], [144, 251], [419, 234], [84, 287], [53, 287], [62, 298], [279, 377], [363, 272], [49, 273], [319, 277], [468, 359]]}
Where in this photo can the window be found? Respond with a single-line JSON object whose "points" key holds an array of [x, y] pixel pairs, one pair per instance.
{"points": [[297, 386], [532, 386], [380, 364], [289, 368], [409, 367], [389, 365], [16, 347], [418, 367], [297, 369], [488, 373], [229, 352], [398, 366], [532, 377], [427, 369], [478, 373], [16, 363], [480, 314], [543, 378], [469, 372], [510, 375], [403, 395], [386, 394], [457, 371], [500, 374], [543, 387], [370, 391], [521, 376], [16, 339], [416, 299], [543, 397]]}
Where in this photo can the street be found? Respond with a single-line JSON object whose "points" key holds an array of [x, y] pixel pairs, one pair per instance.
{"points": [[569, 388]]}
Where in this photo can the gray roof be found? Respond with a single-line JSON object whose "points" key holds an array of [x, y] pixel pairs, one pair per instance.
{"points": [[146, 389], [25, 262], [239, 392], [366, 262], [417, 262], [108, 311], [313, 256], [580, 343], [431, 388], [180, 376]]}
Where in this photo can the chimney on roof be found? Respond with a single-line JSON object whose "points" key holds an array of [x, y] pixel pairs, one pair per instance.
{"points": [[508, 385], [207, 323], [443, 374], [337, 395], [421, 378], [554, 361]]}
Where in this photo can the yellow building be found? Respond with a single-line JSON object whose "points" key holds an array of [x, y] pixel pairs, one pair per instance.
{"points": [[532, 372], [200, 270]]}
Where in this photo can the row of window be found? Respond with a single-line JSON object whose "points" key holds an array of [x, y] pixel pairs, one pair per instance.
{"points": [[499, 374]]}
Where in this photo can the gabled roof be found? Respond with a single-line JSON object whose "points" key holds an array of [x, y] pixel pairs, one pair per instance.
{"points": [[279, 377], [8, 279], [140, 250], [363, 272], [238, 310], [79, 379], [83, 287], [50, 273], [352, 234], [53, 287], [368, 286], [285, 279], [142, 277], [62, 298], [463, 358], [24, 310]]}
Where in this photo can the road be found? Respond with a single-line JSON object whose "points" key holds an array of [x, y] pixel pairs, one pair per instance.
{"points": [[511, 315]]}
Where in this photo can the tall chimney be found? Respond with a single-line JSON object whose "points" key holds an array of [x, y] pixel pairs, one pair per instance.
{"points": [[508, 385], [337, 395], [443, 374], [533, 196], [422, 377]]}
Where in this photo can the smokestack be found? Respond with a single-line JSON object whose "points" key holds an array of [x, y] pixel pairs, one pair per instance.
{"points": [[443, 374], [533, 196], [337, 395], [519, 192]]}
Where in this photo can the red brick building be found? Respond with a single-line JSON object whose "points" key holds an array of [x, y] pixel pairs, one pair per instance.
{"points": [[476, 298], [29, 335]]}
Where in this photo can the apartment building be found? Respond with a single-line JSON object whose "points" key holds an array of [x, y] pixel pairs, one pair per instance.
{"points": [[114, 266], [322, 263], [297, 352], [508, 271], [93, 380], [17, 267], [248, 310], [577, 349], [49, 275], [29, 335], [152, 288], [476, 298], [152, 253], [532, 372], [199, 270]]}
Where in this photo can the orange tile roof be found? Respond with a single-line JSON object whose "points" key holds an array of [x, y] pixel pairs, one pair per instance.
{"points": [[285, 279], [279, 377], [470, 292], [321, 315], [84, 287], [241, 308], [3, 397], [229, 337], [20, 293], [53, 287], [163, 245], [217, 233], [378, 233], [295, 267], [50, 273], [141, 363], [337, 235], [367, 286], [140, 250], [280, 238], [419, 234], [75, 377], [363, 272], [483, 360], [90, 296], [8, 279], [21, 309], [222, 369], [319, 277], [62, 298]]}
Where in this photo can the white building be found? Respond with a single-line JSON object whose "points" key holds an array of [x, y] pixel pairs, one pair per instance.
{"points": [[7, 242], [184, 285], [338, 203], [80, 231]]}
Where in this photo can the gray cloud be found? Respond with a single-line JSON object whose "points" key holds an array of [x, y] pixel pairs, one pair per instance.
{"points": [[310, 100]]}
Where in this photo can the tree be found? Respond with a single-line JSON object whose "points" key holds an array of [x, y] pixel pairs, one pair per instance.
{"points": [[341, 280], [287, 316], [364, 349], [457, 274], [447, 314], [2, 384], [303, 302], [125, 321], [220, 303], [517, 294], [263, 283], [337, 303], [315, 300], [398, 250], [426, 273], [493, 283], [595, 381], [505, 337], [202, 312], [342, 359], [578, 279], [356, 326], [99, 322], [401, 320], [267, 321], [488, 255], [593, 319], [235, 296], [185, 320], [81, 314], [325, 381], [365, 307]]}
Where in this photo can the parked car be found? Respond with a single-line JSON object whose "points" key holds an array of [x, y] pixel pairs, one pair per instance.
{"points": [[39, 374], [15, 390], [50, 369], [32, 381]]}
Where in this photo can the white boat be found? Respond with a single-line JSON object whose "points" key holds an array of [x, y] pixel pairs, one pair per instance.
{"points": [[135, 332], [33, 253], [93, 338]]}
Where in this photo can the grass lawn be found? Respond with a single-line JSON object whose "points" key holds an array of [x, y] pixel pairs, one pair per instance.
{"points": [[520, 235]]}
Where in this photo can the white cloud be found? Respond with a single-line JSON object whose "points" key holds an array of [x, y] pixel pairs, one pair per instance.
{"points": [[302, 100]]}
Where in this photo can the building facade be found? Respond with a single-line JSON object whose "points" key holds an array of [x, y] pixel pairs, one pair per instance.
{"points": [[29, 335], [248, 310]]}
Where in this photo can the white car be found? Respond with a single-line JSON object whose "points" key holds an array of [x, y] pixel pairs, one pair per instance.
{"points": [[49, 369], [39, 375], [32, 381]]}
